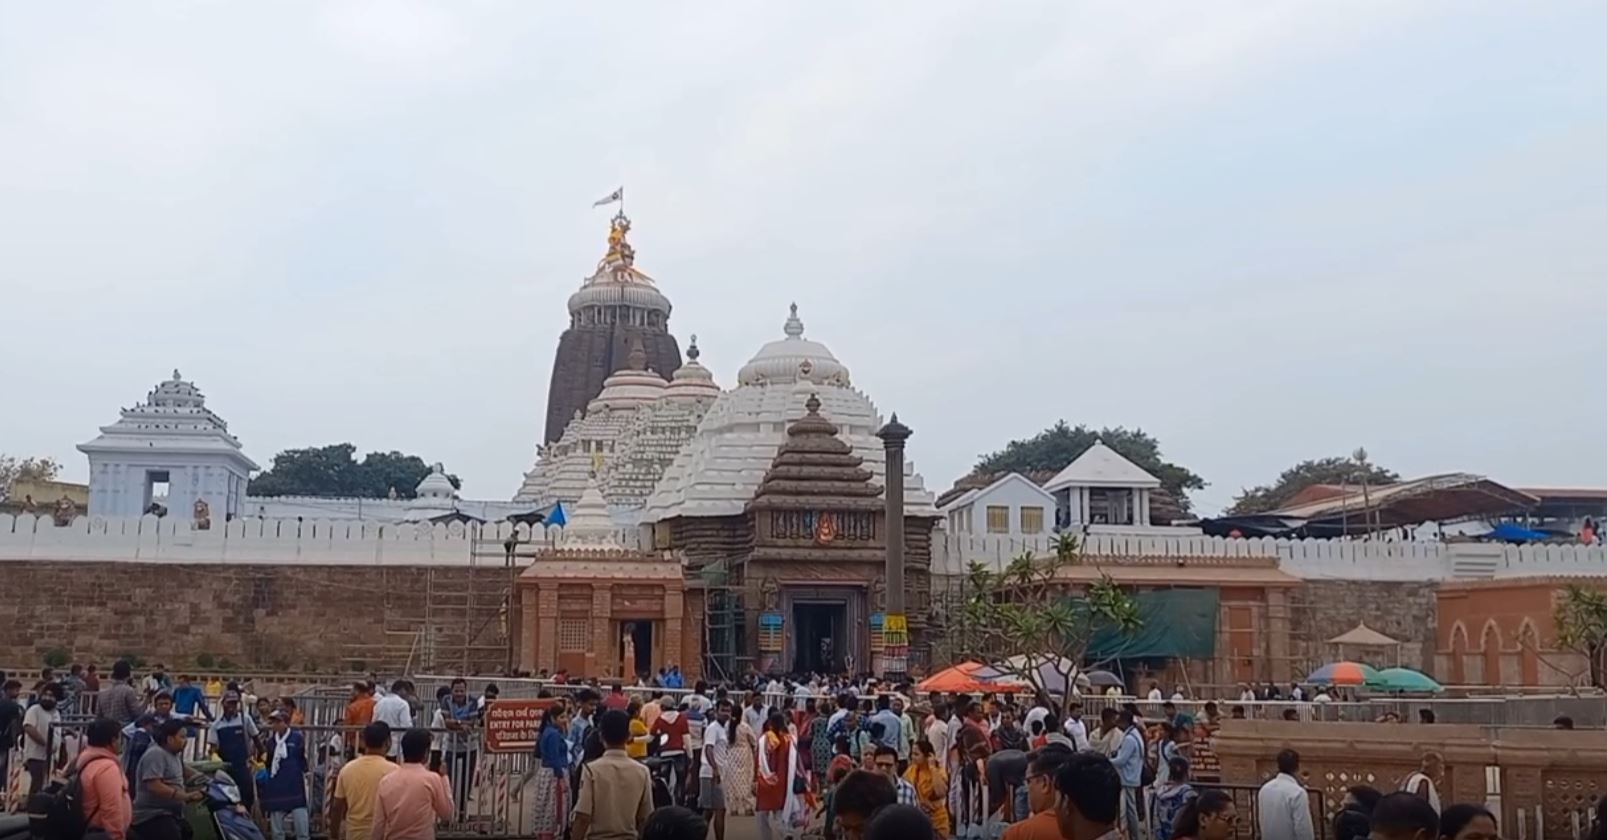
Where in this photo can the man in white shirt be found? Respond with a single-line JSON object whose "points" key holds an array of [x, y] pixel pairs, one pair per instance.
{"points": [[1036, 714], [1284, 806], [710, 775], [1076, 730], [937, 731], [1155, 695], [395, 711], [1246, 694]]}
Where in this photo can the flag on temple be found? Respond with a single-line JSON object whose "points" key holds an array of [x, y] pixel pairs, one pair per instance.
{"points": [[557, 516], [616, 195]]}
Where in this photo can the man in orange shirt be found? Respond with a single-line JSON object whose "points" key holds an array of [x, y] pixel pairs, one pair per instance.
{"points": [[360, 711], [1041, 796], [107, 807], [414, 798]]}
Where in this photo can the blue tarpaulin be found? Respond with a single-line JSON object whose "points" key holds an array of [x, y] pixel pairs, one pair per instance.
{"points": [[1513, 532]]}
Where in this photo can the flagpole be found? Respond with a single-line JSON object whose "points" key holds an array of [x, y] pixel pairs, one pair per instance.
{"points": [[622, 200]]}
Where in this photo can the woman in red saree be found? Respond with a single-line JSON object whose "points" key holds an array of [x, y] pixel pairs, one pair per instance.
{"points": [[781, 796]]}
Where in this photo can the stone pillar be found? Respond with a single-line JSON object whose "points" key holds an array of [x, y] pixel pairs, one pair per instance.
{"points": [[547, 627], [674, 629], [603, 659], [895, 626], [1277, 626], [1084, 511], [526, 629]]}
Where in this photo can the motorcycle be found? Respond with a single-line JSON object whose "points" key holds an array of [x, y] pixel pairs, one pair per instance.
{"points": [[228, 814]]}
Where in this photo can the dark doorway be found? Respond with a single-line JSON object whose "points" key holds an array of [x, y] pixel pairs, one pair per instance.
{"points": [[819, 635], [641, 636]]}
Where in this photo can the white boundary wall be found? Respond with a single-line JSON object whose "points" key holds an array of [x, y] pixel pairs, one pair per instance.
{"points": [[349, 542]]}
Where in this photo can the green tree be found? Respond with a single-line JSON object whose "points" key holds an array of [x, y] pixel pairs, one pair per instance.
{"points": [[1022, 620], [1053, 448], [1581, 620], [1353, 471], [334, 471], [13, 470]]}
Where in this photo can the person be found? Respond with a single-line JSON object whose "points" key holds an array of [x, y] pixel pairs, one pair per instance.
{"points": [[1209, 816], [1468, 822], [396, 711], [189, 700], [356, 799], [616, 793], [1155, 695], [236, 738], [1090, 798], [1425, 716], [856, 800], [107, 809], [673, 727], [1401, 816], [41, 743], [1043, 766], [284, 789], [72, 688], [777, 796], [1075, 729], [1165, 750], [11, 714], [1284, 806], [711, 770], [1007, 735], [908, 734], [616, 699], [890, 722], [161, 796], [972, 807], [931, 783], [901, 822], [818, 735], [652, 709], [1598, 828], [1423, 783], [414, 798], [754, 715], [550, 797], [92, 678], [1563, 722], [741, 770], [119, 701], [639, 735], [360, 711], [459, 746], [1170, 797], [675, 823], [886, 763], [1355, 818], [1129, 762]]}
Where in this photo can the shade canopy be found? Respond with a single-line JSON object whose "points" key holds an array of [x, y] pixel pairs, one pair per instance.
{"points": [[1344, 673], [966, 678], [1364, 636], [1104, 679], [1406, 679], [1050, 673]]}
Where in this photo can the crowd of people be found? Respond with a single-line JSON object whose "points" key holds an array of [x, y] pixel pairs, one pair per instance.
{"points": [[829, 758]]}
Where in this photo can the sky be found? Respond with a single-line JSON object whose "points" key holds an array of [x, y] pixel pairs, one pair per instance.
{"points": [[1263, 232]]}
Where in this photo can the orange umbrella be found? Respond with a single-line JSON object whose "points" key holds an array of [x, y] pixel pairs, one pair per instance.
{"points": [[963, 678]]}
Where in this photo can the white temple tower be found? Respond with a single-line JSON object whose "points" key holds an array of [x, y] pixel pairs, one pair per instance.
{"points": [[169, 450]]}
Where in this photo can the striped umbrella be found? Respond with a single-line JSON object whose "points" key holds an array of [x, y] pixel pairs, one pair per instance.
{"points": [[1344, 673]]}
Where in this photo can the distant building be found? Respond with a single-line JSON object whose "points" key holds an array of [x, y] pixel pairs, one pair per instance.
{"points": [[1013, 505]]}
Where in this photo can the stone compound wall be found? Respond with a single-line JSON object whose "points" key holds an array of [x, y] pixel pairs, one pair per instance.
{"points": [[281, 618], [1323, 609]]}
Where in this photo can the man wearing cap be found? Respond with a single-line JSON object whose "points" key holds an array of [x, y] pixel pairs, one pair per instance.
{"points": [[236, 737], [284, 792]]}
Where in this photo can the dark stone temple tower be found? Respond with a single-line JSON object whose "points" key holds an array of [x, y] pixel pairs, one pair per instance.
{"points": [[616, 308]]}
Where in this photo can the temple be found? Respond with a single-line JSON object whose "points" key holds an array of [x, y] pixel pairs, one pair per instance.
{"points": [[616, 309]]}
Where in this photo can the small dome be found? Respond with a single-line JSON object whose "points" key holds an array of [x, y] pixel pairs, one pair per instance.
{"points": [[793, 359], [176, 393], [692, 380], [436, 486], [631, 386]]}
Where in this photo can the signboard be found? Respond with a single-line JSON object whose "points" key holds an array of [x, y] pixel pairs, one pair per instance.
{"points": [[511, 725]]}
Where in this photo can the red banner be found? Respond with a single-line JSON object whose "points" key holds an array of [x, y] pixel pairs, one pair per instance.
{"points": [[511, 725]]}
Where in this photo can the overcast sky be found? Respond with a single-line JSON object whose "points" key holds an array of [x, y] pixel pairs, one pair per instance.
{"points": [[1261, 231]]}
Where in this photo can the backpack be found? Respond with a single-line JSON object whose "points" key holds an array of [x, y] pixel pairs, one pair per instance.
{"points": [[62, 809]]}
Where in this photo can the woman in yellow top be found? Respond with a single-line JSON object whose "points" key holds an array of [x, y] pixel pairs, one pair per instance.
{"points": [[931, 785], [637, 746]]}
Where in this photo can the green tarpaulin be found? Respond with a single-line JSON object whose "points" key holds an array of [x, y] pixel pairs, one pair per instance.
{"points": [[1177, 623]]}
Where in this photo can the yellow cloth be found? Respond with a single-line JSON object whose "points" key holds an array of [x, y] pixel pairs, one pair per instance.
{"points": [[358, 784], [935, 807], [637, 748]]}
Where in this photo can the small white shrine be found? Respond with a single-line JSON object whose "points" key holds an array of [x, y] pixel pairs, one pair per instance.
{"points": [[1102, 488], [168, 454]]}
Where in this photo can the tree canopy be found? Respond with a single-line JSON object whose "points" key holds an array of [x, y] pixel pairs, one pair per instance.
{"points": [[1353, 470], [13, 470], [1053, 448], [1581, 621], [334, 471], [1021, 619]]}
